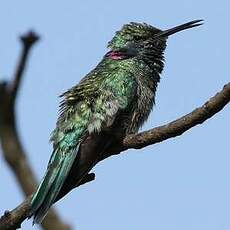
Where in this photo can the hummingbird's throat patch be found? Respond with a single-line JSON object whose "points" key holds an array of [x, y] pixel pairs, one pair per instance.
{"points": [[116, 55]]}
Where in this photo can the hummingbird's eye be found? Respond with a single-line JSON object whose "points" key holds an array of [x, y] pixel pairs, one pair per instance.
{"points": [[130, 45]]}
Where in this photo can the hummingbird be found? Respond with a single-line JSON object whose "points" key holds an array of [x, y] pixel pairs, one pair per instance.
{"points": [[110, 102]]}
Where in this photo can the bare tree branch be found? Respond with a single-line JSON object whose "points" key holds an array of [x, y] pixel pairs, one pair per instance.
{"points": [[181, 125], [28, 40], [141, 140], [12, 148], [176, 127]]}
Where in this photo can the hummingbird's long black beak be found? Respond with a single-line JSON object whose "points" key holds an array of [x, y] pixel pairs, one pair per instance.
{"points": [[176, 29]]}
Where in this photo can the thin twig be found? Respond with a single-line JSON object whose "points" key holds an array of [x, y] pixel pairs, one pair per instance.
{"points": [[27, 40], [181, 125]]}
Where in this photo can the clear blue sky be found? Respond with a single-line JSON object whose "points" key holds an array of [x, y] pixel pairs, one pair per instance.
{"points": [[182, 183]]}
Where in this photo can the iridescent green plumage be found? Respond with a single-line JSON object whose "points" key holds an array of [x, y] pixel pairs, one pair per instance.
{"points": [[113, 100]]}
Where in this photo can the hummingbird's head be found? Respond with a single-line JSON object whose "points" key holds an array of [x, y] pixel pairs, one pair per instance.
{"points": [[143, 41], [131, 34]]}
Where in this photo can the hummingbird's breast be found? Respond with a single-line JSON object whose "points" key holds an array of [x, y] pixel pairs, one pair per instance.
{"points": [[146, 81], [142, 106]]}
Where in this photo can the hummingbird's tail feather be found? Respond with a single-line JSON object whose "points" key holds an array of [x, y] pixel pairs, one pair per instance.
{"points": [[57, 172]]}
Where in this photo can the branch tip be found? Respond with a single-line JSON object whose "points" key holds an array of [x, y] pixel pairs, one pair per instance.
{"points": [[29, 38]]}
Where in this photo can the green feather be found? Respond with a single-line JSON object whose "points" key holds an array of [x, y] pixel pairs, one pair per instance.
{"points": [[51, 192], [45, 185]]}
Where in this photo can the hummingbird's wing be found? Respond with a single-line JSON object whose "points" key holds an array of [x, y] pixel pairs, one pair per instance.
{"points": [[115, 95], [81, 122]]}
